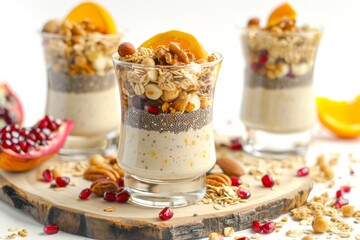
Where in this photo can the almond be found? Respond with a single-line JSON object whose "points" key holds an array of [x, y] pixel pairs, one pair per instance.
{"points": [[230, 167]]}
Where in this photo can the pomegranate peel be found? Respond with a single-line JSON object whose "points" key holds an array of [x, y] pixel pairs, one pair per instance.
{"points": [[17, 162]]}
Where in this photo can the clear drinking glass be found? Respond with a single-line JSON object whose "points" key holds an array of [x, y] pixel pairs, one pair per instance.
{"points": [[82, 87], [166, 140], [278, 106]]}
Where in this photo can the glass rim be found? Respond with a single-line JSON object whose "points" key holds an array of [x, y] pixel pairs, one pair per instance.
{"points": [[97, 35], [314, 30], [139, 65]]}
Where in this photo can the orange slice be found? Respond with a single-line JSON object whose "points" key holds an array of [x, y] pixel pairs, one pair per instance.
{"points": [[281, 12], [97, 15], [340, 117], [186, 40]]}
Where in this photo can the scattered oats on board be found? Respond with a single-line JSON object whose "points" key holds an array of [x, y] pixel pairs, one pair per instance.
{"points": [[13, 229], [11, 236], [109, 209], [294, 233], [23, 233]]}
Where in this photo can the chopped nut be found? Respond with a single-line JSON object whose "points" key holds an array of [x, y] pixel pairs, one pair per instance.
{"points": [[347, 210], [11, 236], [23, 233], [217, 206], [215, 236], [308, 237], [228, 231], [320, 224]]}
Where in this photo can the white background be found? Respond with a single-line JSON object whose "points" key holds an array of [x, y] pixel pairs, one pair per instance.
{"points": [[214, 22]]}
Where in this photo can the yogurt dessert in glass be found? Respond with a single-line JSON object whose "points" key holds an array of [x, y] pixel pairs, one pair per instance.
{"points": [[278, 106], [167, 140], [81, 82]]}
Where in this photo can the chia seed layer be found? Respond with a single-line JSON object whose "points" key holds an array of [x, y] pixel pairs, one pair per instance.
{"points": [[253, 79], [163, 122], [63, 82]]}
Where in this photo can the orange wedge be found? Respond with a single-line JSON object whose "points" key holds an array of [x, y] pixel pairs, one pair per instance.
{"points": [[281, 12], [186, 40], [340, 117], [97, 15]]}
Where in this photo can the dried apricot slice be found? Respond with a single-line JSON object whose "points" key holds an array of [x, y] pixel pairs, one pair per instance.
{"points": [[283, 11], [186, 40], [97, 15], [340, 117]]}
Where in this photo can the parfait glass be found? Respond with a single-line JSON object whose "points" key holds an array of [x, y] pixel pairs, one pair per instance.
{"points": [[166, 139]]}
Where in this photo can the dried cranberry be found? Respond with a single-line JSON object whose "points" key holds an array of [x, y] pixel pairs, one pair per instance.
{"points": [[109, 196], [47, 175], [84, 194], [341, 202], [123, 196], [62, 181], [166, 214], [51, 229], [257, 226], [243, 193], [267, 181], [269, 227], [345, 188], [302, 172], [235, 181]]}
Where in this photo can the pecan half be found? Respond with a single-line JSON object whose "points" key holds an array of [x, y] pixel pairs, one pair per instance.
{"points": [[101, 186], [218, 179]]}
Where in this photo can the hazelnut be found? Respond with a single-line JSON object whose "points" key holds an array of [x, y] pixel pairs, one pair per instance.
{"points": [[347, 210], [126, 49], [52, 26], [320, 224], [253, 22]]}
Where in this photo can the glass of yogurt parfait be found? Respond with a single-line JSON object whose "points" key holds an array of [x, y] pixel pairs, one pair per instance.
{"points": [[82, 85], [278, 106], [167, 140]]}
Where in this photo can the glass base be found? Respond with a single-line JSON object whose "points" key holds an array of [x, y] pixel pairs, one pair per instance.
{"points": [[79, 148], [165, 193], [276, 145]]}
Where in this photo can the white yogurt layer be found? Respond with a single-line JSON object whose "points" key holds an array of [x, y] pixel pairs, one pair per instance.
{"points": [[167, 155], [278, 110], [94, 113]]}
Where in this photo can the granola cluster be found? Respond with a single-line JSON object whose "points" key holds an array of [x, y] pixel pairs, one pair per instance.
{"points": [[78, 48], [282, 50], [167, 79]]}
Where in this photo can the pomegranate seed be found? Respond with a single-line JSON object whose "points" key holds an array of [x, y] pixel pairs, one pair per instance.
{"points": [[341, 202], [5, 136], [43, 123], [166, 214], [84, 194], [24, 146], [5, 129], [32, 137], [51, 229], [24, 132], [15, 148], [257, 227], [6, 143], [235, 181], [339, 193], [57, 122], [269, 227], [152, 109], [243, 193], [267, 181], [52, 126], [15, 127], [345, 188], [120, 182], [14, 141], [255, 66], [62, 181], [136, 102], [302, 172], [47, 175], [123, 196], [15, 134], [109, 196], [242, 238], [235, 144]]}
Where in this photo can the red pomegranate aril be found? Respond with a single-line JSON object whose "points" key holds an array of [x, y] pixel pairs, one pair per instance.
{"points": [[166, 214], [15, 134], [62, 181], [52, 126], [5, 136], [339, 193], [32, 137], [243, 193], [302, 172], [15, 148], [51, 229], [24, 146], [47, 175], [5, 129], [341, 202], [152, 109], [267, 181], [269, 227], [15, 141], [235, 144], [242, 238], [43, 123], [84, 194], [109, 196], [257, 227], [120, 181], [235, 181], [123, 196], [345, 188], [6, 144], [15, 127]]}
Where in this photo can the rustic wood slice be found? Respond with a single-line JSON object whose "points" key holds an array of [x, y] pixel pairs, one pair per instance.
{"points": [[128, 221]]}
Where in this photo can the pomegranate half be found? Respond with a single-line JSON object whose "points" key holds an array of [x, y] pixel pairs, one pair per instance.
{"points": [[10, 107], [22, 149]]}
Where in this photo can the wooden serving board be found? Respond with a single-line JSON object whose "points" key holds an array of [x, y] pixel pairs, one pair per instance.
{"points": [[129, 221]]}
